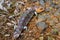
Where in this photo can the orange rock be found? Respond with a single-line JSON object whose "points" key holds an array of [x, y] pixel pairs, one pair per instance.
{"points": [[39, 10]]}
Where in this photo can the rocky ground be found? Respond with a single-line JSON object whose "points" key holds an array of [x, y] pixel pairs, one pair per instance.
{"points": [[43, 26]]}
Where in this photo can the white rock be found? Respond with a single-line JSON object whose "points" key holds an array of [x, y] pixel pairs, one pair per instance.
{"points": [[8, 3], [15, 26], [1, 6], [13, 22], [11, 16], [9, 24], [7, 35]]}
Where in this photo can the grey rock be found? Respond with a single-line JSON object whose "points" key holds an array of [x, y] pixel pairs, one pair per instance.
{"points": [[42, 2], [43, 25]]}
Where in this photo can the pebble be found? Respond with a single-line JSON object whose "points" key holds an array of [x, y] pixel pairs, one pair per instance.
{"points": [[9, 24], [41, 38], [43, 25], [57, 26], [1, 6], [41, 18], [13, 22], [41, 2], [11, 16], [15, 26], [54, 31], [7, 35]]}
